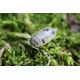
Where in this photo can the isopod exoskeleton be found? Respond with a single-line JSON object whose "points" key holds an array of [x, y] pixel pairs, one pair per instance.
{"points": [[42, 37]]}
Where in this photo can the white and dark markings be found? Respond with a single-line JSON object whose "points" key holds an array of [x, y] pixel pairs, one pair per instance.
{"points": [[43, 37]]}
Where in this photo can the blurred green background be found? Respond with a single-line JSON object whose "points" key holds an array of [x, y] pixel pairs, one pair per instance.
{"points": [[16, 28]]}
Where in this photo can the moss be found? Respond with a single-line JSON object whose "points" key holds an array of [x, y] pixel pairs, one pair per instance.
{"points": [[15, 29]]}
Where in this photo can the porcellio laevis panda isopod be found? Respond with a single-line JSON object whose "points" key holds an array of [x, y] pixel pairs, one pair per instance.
{"points": [[42, 37]]}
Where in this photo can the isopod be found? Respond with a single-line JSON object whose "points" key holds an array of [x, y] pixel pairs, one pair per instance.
{"points": [[42, 37]]}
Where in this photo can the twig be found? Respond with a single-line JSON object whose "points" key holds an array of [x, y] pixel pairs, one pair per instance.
{"points": [[6, 46], [46, 53]]}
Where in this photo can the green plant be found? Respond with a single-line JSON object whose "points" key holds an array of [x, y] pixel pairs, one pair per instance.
{"points": [[15, 29]]}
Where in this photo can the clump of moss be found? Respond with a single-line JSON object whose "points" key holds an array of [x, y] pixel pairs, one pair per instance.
{"points": [[15, 29]]}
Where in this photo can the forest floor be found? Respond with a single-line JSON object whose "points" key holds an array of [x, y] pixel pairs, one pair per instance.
{"points": [[15, 29]]}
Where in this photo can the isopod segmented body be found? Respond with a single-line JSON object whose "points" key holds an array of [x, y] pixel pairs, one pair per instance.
{"points": [[43, 37]]}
